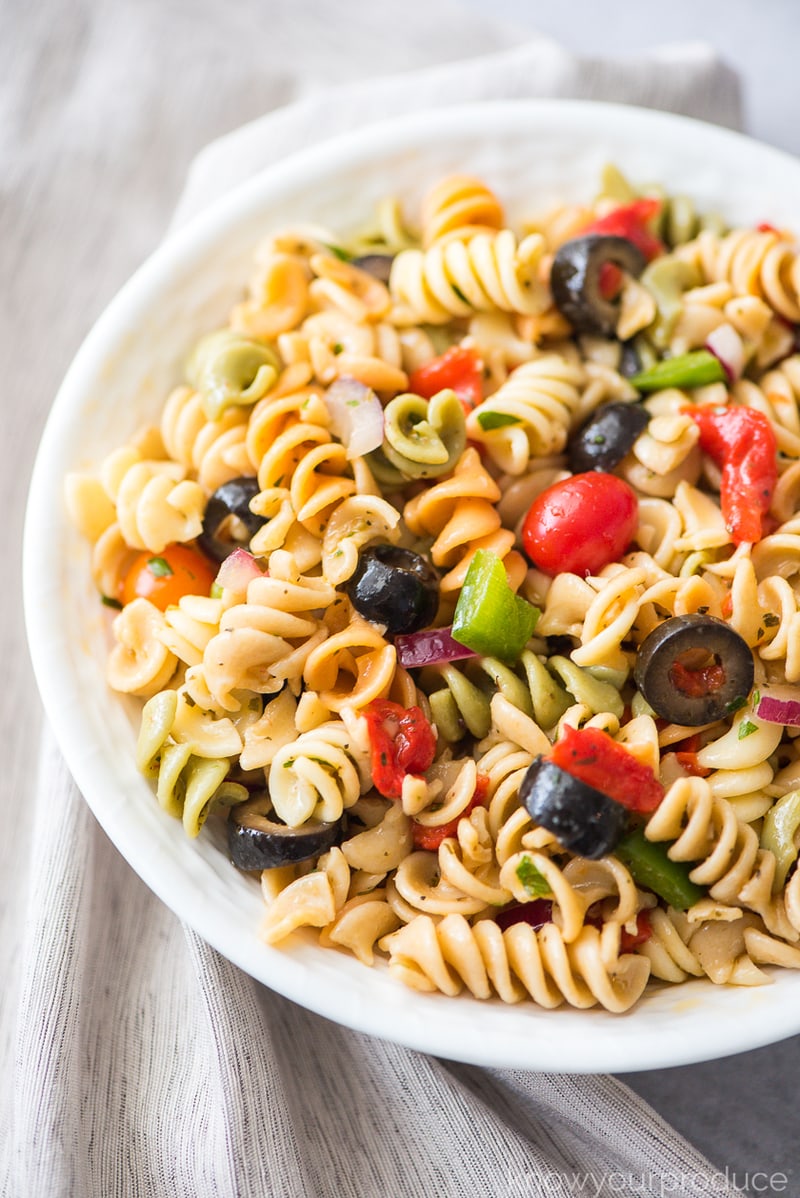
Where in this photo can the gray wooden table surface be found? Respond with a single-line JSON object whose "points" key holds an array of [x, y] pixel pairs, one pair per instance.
{"points": [[102, 107]]}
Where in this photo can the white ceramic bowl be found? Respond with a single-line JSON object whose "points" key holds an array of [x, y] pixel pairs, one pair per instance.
{"points": [[534, 154]]}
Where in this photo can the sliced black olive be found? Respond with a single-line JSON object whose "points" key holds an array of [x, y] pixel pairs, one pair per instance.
{"points": [[256, 840], [560, 645], [394, 587], [630, 362], [583, 819], [694, 669], [606, 437], [575, 280], [228, 523], [377, 265]]}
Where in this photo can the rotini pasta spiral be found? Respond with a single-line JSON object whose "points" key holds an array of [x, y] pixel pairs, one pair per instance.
{"points": [[365, 665], [760, 262], [320, 774], [459, 206], [530, 415], [213, 450], [155, 503], [267, 640], [487, 272], [515, 963]]}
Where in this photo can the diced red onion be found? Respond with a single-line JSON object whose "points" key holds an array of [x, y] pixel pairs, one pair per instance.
{"points": [[779, 705], [537, 914], [238, 569], [726, 344], [356, 416], [428, 648]]}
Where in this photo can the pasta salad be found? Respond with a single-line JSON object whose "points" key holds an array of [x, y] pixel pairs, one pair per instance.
{"points": [[460, 578]]}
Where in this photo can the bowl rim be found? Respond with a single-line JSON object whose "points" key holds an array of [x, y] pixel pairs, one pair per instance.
{"points": [[283, 971]]}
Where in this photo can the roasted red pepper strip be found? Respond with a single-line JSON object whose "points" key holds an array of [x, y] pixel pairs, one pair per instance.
{"points": [[430, 838], [401, 742], [628, 221], [459, 368], [696, 682], [690, 765], [686, 753], [631, 221], [742, 443], [598, 760], [628, 941]]}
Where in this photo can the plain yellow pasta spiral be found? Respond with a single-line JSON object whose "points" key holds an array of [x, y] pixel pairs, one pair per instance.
{"points": [[486, 273], [266, 640], [531, 414], [517, 963], [460, 513], [214, 451], [724, 851], [758, 262], [459, 205], [140, 663], [319, 775], [156, 504]]}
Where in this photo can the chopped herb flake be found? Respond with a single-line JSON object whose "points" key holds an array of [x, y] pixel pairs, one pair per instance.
{"points": [[534, 883], [490, 420], [160, 567], [110, 601], [338, 252], [747, 728]]}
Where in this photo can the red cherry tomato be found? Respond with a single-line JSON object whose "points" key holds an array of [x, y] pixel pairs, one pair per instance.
{"points": [[580, 524], [458, 368], [166, 577]]}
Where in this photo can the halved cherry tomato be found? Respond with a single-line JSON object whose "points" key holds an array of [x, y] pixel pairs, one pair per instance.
{"points": [[431, 838], [459, 368], [166, 577], [581, 524], [594, 757], [401, 742]]}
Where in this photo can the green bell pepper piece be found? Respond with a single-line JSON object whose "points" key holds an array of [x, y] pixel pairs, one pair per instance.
{"points": [[694, 369], [651, 867], [489, 618]]}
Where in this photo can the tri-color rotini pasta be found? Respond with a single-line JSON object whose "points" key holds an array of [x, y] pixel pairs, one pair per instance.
{"points": [[461, 578]]}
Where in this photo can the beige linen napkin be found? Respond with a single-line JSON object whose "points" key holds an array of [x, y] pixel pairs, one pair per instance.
{"points": [[146, 1064]]}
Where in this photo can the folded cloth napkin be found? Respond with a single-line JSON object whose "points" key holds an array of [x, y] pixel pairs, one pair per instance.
{"points": [[147, 1064]]}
